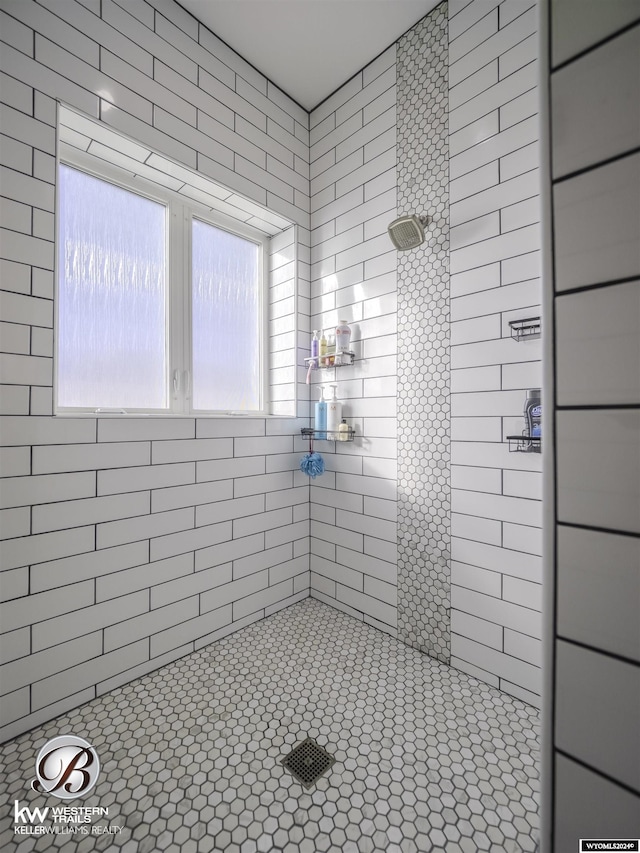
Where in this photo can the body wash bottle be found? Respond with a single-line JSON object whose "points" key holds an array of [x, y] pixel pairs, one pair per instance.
{"points": [[331, 349], [334, 415], [320, 424], [533, 418], [323, 349]]}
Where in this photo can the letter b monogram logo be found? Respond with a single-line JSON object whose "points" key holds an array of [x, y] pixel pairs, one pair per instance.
{"points": [[67, 767]]}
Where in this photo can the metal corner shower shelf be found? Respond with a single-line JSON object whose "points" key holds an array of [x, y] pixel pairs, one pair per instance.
{"points": [[327, 435], [346, 357]]}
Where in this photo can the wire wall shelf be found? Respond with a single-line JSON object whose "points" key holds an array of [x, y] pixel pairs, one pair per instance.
{"points": [[524, 443], [527, 329]]}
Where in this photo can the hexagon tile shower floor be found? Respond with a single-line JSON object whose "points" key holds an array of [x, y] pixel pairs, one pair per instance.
{"points": [[427, 758]]}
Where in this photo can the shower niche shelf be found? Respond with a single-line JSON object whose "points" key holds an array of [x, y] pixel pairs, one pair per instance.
{"points": [[524, 443], [525, 330], [308, 432], [346, 359]]}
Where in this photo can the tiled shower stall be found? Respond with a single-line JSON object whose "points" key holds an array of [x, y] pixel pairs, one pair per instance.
{"points": [[148, 562], [160, 536]]}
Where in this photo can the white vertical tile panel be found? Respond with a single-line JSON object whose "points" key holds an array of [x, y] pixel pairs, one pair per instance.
{"points": [[603, 733], [597, 225]]}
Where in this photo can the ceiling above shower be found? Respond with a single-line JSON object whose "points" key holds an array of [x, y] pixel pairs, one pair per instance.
{"points": [[309, 47]]}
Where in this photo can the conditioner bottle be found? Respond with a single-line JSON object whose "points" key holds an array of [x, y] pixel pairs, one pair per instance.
{"points": [[334, 414]]}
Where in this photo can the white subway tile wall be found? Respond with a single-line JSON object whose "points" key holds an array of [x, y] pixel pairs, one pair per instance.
{"points": [[495, 241], [353, 277], [197, 526], [132, 541], [594, 750]]}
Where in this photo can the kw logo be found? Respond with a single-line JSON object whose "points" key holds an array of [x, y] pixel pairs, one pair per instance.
{"points": [[27, 815]]}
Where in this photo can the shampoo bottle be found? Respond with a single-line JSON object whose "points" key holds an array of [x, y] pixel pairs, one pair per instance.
{"points": [[321, 416], [334, 414], [315, 347]]}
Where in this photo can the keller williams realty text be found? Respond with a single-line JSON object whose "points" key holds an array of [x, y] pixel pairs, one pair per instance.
{"points": [[84, 829]]}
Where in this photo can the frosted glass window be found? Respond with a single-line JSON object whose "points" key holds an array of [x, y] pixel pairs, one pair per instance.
{"points": [[225, 320], [111, 297]]}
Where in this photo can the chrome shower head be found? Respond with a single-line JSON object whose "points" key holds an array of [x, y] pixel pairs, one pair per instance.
{"points": [[407, 232]]}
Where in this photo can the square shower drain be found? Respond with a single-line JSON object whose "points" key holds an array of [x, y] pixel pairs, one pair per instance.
{"points": [[307, 762]]}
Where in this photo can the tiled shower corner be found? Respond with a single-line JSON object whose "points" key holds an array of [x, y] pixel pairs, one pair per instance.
{"points": [[427, 758], [424, 489]]}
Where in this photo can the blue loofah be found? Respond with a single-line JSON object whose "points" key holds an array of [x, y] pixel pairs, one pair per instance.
{"points": [[312, 465]]}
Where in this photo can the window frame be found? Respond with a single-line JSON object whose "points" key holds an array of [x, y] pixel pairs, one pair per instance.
{"points": [[180, 213]]}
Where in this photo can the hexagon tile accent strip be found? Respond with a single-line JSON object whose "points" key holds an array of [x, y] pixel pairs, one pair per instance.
{"points": [[424, 491], [427, 758]]}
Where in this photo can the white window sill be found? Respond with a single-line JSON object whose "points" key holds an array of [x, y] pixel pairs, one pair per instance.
{"points": [[193, 416]]}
